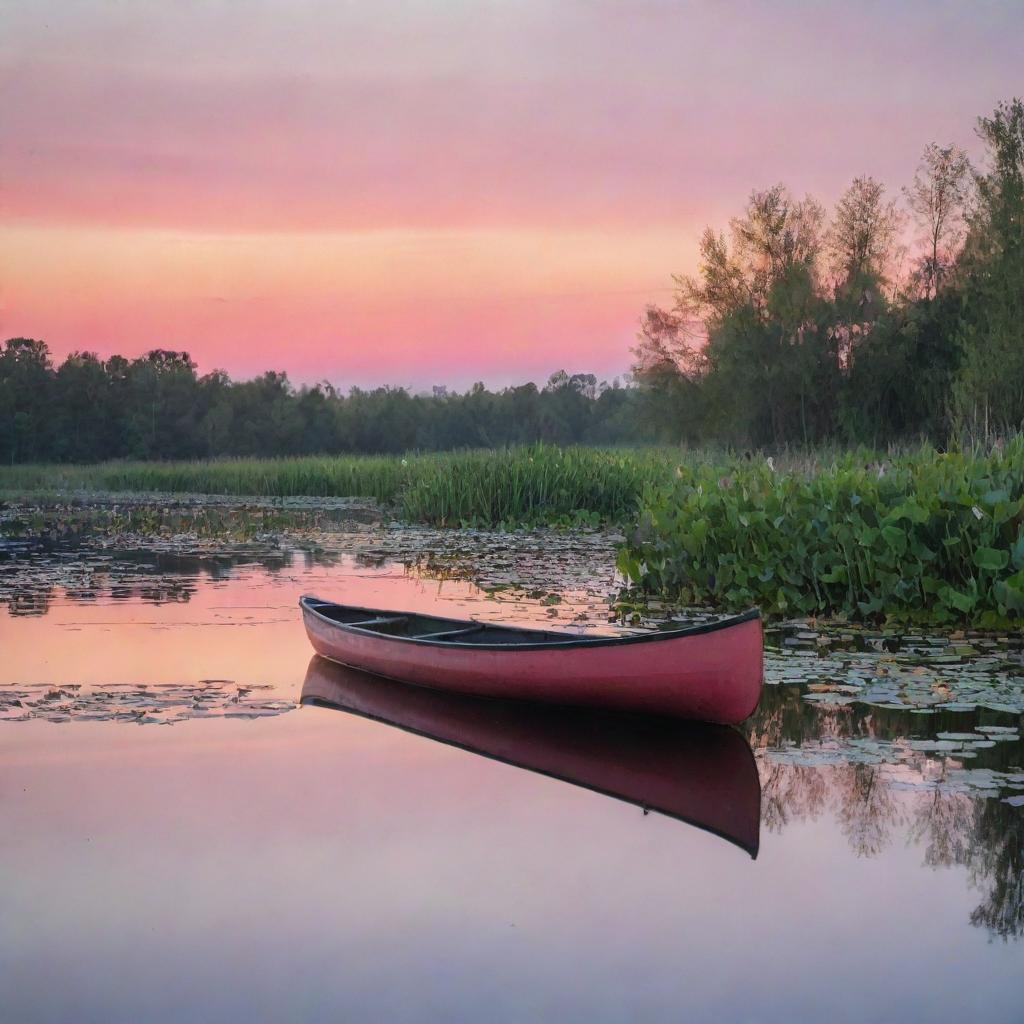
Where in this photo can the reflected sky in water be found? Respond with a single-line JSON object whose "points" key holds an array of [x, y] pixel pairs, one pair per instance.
{"points": [[306, 864]]}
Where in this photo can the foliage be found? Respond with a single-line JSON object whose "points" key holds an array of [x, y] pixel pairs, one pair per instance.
{"points": [[511, 486], [926, 535], [801, 327], [990, 388], [158, 407], [575, 486]]}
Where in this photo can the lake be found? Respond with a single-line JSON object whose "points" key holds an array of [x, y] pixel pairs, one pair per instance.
{"points": [[184, 839]]}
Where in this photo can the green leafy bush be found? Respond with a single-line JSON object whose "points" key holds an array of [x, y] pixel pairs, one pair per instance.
{"points": [[929, 536]]}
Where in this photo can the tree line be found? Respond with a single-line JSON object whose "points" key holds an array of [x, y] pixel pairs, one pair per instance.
{"points": [[801, 327], [158, 407]]}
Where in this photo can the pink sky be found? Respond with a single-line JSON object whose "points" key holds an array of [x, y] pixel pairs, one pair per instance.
{"points": [[417, 193]]}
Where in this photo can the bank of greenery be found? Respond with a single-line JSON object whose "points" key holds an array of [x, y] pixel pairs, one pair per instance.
{"points": [[922, 536], [505, 487], [916, 535]]}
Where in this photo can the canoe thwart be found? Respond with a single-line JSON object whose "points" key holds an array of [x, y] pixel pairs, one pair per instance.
{"points": [[380, 620], [448, 633]]}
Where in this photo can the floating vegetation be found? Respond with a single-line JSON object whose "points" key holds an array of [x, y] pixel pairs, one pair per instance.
{"points": [[911, 764], [954, 672], [560, 574], [27, 526], [922, 537], [976, 751], [137, 704]]}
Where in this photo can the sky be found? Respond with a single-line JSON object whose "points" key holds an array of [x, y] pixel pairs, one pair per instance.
{"points": [[416, 193]]}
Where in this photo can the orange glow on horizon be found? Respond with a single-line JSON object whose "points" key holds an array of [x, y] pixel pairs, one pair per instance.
{"points": [[335, 299]]}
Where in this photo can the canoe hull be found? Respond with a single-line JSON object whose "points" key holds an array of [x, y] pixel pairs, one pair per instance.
{"points": [[713, 675]]}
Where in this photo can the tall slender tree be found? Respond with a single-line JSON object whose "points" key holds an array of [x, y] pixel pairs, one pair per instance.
{"points": [[939, 199]]}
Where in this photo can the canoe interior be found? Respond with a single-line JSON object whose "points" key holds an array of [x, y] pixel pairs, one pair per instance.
{"points": [[427, 627], [462, 632]]}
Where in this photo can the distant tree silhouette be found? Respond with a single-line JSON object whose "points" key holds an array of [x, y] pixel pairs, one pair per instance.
{"points": [[157, 407]]}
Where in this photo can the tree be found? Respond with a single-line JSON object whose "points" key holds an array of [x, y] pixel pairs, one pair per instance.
{"points": [[84, 420], [862, 237], [939, 198], [861, 243], [669, 365], [26, 383], [756, 299], [990, 389]]}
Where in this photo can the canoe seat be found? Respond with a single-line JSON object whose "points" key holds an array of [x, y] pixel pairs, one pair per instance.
{"points": [[446, 633]]}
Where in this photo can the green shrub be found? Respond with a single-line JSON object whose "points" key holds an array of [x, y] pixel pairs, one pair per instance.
{"points": [[927, 536]]}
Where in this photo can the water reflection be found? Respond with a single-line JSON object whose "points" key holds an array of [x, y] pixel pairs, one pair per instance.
{"points": [[859, 765], [29, 586], [960, 798], [701, 774]]}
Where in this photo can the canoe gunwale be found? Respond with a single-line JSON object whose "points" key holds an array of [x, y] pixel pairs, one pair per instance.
{"points": [[559, 640]]}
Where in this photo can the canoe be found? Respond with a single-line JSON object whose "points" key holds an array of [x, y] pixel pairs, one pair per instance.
{"points": [[711, 672], [703, 775]]}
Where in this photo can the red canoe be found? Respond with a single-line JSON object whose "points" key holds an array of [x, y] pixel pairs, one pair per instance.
{"points": [[704, 775], [710, 672]]}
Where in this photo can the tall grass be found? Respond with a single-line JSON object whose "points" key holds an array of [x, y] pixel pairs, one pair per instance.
{"points": [[483, 488], [539, 484], [382, 478]]}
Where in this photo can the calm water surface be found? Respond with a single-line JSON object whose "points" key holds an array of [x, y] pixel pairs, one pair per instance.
{"points": [[183, 840]]}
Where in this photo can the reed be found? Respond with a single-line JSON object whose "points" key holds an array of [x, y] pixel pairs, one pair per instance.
{"points": [[513, 486], [532, 485], [315, 476]]}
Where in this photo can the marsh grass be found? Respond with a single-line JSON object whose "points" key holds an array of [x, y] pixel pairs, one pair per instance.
{"points": [[504, 487], [572, 486], [381, 478]]}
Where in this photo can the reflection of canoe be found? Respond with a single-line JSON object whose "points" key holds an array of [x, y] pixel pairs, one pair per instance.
{"points": [[702, 774], [711, 672]]}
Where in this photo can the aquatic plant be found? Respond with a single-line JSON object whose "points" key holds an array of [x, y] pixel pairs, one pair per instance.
{"points": [[510, 486], [924, 535], [566, 486]]}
